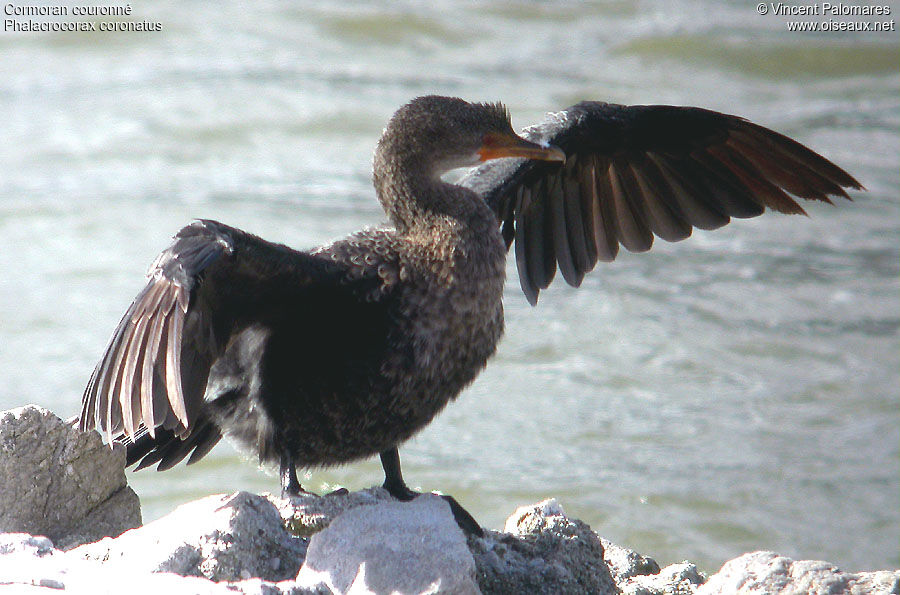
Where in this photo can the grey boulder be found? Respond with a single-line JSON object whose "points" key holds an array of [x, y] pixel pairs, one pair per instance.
{"points": [[60, 482], [542, 551]]}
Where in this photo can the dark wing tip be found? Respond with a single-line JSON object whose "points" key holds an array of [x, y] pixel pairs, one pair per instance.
{"points": [[168, 448]]}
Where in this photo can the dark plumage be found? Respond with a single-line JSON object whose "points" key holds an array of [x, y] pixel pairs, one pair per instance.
{"points": [[323, 357]]}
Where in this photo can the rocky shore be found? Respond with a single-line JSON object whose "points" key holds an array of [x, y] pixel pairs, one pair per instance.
{"points": [[68, 521]]}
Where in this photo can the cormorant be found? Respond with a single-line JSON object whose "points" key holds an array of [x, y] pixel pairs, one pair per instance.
{"points": [[321, 357]]}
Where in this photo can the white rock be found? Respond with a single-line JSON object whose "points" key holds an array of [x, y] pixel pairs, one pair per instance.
{"points": [[393, 547], [222, 537], [625, 563], [769, 573], [523, 514]]}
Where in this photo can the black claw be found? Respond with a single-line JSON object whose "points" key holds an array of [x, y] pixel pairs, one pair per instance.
{"points": [[294, 491], [399, 489], [400, 492]]}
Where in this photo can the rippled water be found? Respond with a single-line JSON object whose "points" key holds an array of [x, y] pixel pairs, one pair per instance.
{"points": [[736, 391]]}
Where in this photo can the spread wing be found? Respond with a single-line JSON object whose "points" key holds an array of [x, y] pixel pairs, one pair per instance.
{"points": [[635, 172], [212, 279]]}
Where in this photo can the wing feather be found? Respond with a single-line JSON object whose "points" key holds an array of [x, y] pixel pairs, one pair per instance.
{"points": [[666, 218], [577, 239], [561, 231], [602, 204], [535, 247], [522, 245], [587, 189], [173, 367], [631, 221]]}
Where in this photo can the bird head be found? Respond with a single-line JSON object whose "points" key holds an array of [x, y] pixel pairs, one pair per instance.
{"points": [[443, 133]]}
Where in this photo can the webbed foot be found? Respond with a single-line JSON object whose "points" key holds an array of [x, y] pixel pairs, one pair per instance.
{"points": [[396, 487]]}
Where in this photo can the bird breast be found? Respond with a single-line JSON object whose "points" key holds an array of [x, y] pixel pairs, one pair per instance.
{"points": [[443, 288], [452, 301]]}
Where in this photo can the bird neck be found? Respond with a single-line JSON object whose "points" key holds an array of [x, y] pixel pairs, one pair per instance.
{"points": [[413, 195]]}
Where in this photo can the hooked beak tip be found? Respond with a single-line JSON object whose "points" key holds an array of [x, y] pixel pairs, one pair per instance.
{"points": [[555, 154]]}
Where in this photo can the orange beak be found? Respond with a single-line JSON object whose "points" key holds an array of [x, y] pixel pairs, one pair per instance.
{"points": [[496, 145]]}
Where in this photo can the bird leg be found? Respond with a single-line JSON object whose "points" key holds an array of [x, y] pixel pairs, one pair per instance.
{"points": [[290, 485], [393, 477], [396, 487]]}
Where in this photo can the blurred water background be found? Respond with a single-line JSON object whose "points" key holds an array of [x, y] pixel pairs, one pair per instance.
{"points": [[736, 391]]}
